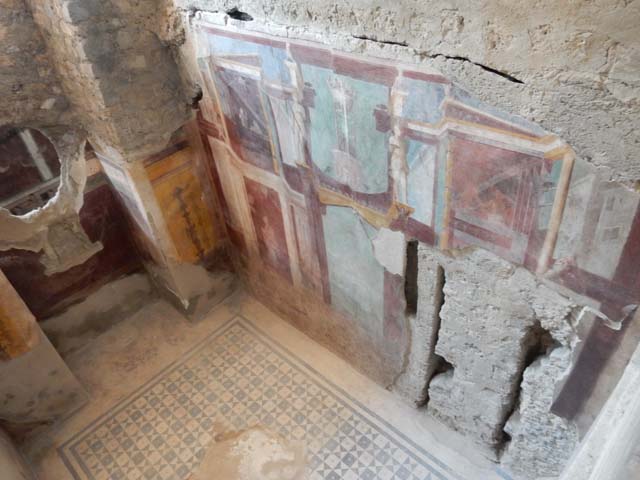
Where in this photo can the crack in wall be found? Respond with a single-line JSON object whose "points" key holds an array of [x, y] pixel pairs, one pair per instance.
{"points": [[411, 305], [239, 15], [421, 363], [374, 39], [411, 278], [486, 68], [458, 58], [196, 97]]}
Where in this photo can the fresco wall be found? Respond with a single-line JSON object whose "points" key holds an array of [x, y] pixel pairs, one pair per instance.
{"points": [[178, 191], [319, 154]]}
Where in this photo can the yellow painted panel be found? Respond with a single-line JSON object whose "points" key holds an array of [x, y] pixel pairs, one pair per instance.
{"points": [[180, 197]]}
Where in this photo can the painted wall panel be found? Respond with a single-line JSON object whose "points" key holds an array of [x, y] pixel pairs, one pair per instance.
{"points": [[266, 213], [337, 147], [355, 276], [180, 197]]}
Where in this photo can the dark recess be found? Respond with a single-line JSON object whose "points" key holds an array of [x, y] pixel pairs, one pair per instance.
{"points": [[443, 365], [239, 15], [411, 278], [195, 99]]}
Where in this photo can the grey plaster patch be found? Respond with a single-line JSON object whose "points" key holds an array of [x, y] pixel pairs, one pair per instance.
{"points": [[541, 442], [121, 78], [79, 324], [50, 393], [495, 316], [389, 249], [30, 89]]}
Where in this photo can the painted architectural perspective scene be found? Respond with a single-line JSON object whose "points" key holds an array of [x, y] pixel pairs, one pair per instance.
{"points": [[275, 240]]}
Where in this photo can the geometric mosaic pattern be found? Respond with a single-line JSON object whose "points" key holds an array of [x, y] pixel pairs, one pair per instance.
{"points": [[238, 378]]}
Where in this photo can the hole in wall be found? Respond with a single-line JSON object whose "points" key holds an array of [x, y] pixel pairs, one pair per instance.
{"points": [[443, 366], [30, 169], [239, 15], [411, 278], [196, 97]]}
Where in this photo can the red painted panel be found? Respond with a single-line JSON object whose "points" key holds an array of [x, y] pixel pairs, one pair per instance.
{"points": [[103, 220], [367, 71], [493, 194], [246, 118], [266, 213]]}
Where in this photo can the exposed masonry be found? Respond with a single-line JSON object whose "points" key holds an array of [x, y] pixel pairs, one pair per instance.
{"points": [[537, 342], [132, 100], [488, 348], [540, 442]]}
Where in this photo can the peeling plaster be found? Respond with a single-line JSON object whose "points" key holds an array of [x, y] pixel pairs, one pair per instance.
{"points": [[55, 227]]}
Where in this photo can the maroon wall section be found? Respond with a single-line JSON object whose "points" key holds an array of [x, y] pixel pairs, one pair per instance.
{"points": [[103, 220]]}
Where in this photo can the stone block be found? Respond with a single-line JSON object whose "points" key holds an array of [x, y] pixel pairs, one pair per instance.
{"points": [[541, 442], [494, 318]]}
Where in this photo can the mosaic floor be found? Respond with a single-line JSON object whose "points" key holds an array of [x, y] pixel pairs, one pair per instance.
{"points": [[237, 378]]}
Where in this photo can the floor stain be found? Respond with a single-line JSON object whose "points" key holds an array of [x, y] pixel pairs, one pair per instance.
{"points": [[252, 454]]}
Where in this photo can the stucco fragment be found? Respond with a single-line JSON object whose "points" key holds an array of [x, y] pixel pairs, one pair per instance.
{"points": [[388, 248]]}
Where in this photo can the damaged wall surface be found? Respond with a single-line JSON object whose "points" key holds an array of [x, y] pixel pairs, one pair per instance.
{"points": [[124, 88], [560, 64], [102, 218], [432, 191], [30, 89], [328, 163], [132, 101]]}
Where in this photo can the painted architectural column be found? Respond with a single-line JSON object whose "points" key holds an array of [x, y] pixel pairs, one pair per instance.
{"points": [[51, 390], [18, 328]]}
